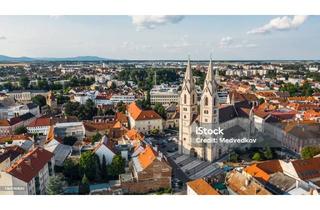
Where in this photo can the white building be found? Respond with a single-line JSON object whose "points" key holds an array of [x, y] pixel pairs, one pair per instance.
{"points": [[26, 96], [75, 129], [124, 98], [105, 149], [29, 175], [145, 121], [40, 126], [164, 94]]}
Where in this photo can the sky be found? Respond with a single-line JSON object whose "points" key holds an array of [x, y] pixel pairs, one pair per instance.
{"points": [[162, 37]]}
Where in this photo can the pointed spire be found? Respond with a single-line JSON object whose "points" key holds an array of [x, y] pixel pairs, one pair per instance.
{"points": [[188, 78], [189, 70], [210, 73], [210, 83]]}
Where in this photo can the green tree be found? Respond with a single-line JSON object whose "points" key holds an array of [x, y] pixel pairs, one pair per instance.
{"points": [[20, 130], [234, 157], [24, 82], [268, 153], [310, 151], [8, 86], [261, 100], [71, 170], [257, 156], [160, 110], [89, 164], [97, 137], [55, 185], [43, 84], [84, 187], [117, 166], [40, 100], [121, 107], [103, 169]]}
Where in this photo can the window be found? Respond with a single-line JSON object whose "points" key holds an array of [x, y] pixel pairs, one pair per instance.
{"points": [[214, 101], [193, 99], [185, 99], [206, 101], [206, 111]]}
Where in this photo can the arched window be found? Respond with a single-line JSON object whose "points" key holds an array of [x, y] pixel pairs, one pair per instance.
{"points": [[214, 101], [206, 102], [193, 99], [185, 99]]}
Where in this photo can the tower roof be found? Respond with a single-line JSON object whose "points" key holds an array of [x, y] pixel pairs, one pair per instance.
{"points": [[210, 82], [188, 81]]}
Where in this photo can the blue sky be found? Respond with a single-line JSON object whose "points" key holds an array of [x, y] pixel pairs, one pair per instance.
{"points": [[162, 37]]}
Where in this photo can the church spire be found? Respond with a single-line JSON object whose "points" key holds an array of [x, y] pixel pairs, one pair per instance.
{"points": [[210, 73], [188, 78], [210, 83]]}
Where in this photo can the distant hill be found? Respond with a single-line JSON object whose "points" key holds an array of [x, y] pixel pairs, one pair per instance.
{"points": [[4, 58]]}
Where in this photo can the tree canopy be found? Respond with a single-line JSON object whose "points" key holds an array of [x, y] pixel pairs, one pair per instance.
{"points": [[40, 100], [310, 152], [89, 164], [55, 185], [20, 130]]}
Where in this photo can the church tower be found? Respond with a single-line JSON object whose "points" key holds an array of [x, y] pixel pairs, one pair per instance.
{"points": [[209, 113], [188, 111]]}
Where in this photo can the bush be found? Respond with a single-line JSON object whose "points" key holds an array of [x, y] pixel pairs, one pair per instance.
{"points": [[20, 130], [257, 156], [310, 152]]}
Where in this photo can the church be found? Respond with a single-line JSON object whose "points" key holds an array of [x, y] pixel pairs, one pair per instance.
{"points": [[234, 118]]}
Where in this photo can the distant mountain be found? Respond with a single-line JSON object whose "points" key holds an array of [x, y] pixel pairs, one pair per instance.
{"points": [[4, 58]]}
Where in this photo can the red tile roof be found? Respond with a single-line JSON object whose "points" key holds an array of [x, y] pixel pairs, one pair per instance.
{"points": [[264, 169], [30, 164], [139, 114], [307, 169], [15, 137], [147, 156], [201, 187], [42, 121]]}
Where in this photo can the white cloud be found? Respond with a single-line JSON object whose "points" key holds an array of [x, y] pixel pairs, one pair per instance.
{"points": [[152, 21], [3, 38], [280, 23], [228, 43]]}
